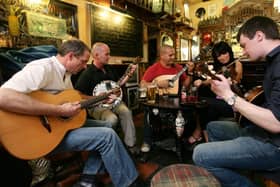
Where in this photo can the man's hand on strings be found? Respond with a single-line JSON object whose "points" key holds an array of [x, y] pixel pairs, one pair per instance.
{"points": [[69, 109], [132, 69], [111, 98]]}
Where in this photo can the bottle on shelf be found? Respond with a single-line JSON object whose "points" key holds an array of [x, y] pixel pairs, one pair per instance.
{"points": [[179, 123]]}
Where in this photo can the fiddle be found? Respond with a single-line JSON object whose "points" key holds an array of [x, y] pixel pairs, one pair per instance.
{"points": [[229, 71]]}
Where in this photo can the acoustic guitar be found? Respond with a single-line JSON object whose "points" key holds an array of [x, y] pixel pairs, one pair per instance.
{"points": [[173, 81], [32, 136], [254, 96]]}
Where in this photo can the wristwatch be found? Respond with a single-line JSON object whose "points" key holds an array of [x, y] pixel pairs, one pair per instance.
{"points": [[231, 100]]}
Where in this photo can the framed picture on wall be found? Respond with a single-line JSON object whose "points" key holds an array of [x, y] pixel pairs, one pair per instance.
{"points": [[212, 10], [68, 12], [184, 49]]}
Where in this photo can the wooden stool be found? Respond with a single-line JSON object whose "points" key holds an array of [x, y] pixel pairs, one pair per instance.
{"points": [[183, 175]]}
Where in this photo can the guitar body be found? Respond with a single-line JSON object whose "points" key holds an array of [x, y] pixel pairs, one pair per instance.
{"points": [[25, 137], [255, 96], [169, 91]]}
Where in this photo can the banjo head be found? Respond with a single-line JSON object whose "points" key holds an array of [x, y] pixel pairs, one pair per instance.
{"points": [[104, 87]]}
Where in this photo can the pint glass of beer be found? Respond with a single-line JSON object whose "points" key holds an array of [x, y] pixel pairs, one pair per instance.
{"points": [[151, 93], [142, 93]]}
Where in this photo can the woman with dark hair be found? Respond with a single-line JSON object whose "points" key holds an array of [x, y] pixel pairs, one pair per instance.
{"points": [[223, 57], [224, 63]]}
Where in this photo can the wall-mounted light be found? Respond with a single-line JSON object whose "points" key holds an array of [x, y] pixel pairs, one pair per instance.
{"points": [[117, 19], [104, 14]]}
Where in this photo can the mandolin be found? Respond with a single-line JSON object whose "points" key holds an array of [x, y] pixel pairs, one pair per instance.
{"points": [[32, 136], [173, 82], [202, 71]]}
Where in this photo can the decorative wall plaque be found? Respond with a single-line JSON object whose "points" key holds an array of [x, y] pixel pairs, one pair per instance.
{"points": [[45, 26]]}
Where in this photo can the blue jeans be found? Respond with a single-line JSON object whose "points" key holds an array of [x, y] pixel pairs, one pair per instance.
{"points": [[120, 113], [106, 151], [230, 149]]}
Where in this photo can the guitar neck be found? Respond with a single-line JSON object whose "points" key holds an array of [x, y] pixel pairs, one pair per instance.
{"points": [[179, 74], [125, 74], [213, 76], [96, 99], [128, 69]]}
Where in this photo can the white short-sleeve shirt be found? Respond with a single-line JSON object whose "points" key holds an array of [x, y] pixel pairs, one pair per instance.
{"points": [[46, 74]]}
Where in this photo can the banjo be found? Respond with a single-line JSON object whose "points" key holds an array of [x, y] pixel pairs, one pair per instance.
{"points": [[107, 85]]}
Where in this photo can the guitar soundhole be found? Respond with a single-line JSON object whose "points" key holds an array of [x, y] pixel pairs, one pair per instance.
{"points": [[64, 118]]}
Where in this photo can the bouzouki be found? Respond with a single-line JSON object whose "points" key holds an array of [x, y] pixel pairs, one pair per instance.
{"points": [[32, 136], [106, 85], [202, 71], [173, 82]]}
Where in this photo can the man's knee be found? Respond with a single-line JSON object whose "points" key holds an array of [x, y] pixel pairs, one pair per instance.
{"points": [[113, 120], [198, 154]]}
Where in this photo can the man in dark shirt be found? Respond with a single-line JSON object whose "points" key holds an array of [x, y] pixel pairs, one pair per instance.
{"points": [[256, 146], [98, 72]]}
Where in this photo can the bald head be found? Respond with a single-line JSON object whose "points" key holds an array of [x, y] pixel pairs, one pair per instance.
{"points": [[98, 47], [165, 48], [100, 53], [167, 55]]}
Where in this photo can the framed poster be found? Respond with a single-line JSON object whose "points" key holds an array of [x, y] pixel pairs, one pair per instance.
{"points": [[45, 26], [212, 10], [168, 6], [68, 12], [157, 6], [184, 49]]}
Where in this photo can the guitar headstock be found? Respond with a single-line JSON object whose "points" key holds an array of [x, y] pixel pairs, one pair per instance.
{"points": [[137, 60]]}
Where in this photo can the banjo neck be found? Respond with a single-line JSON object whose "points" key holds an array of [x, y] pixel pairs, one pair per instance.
{"points": [[126, 76]]}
